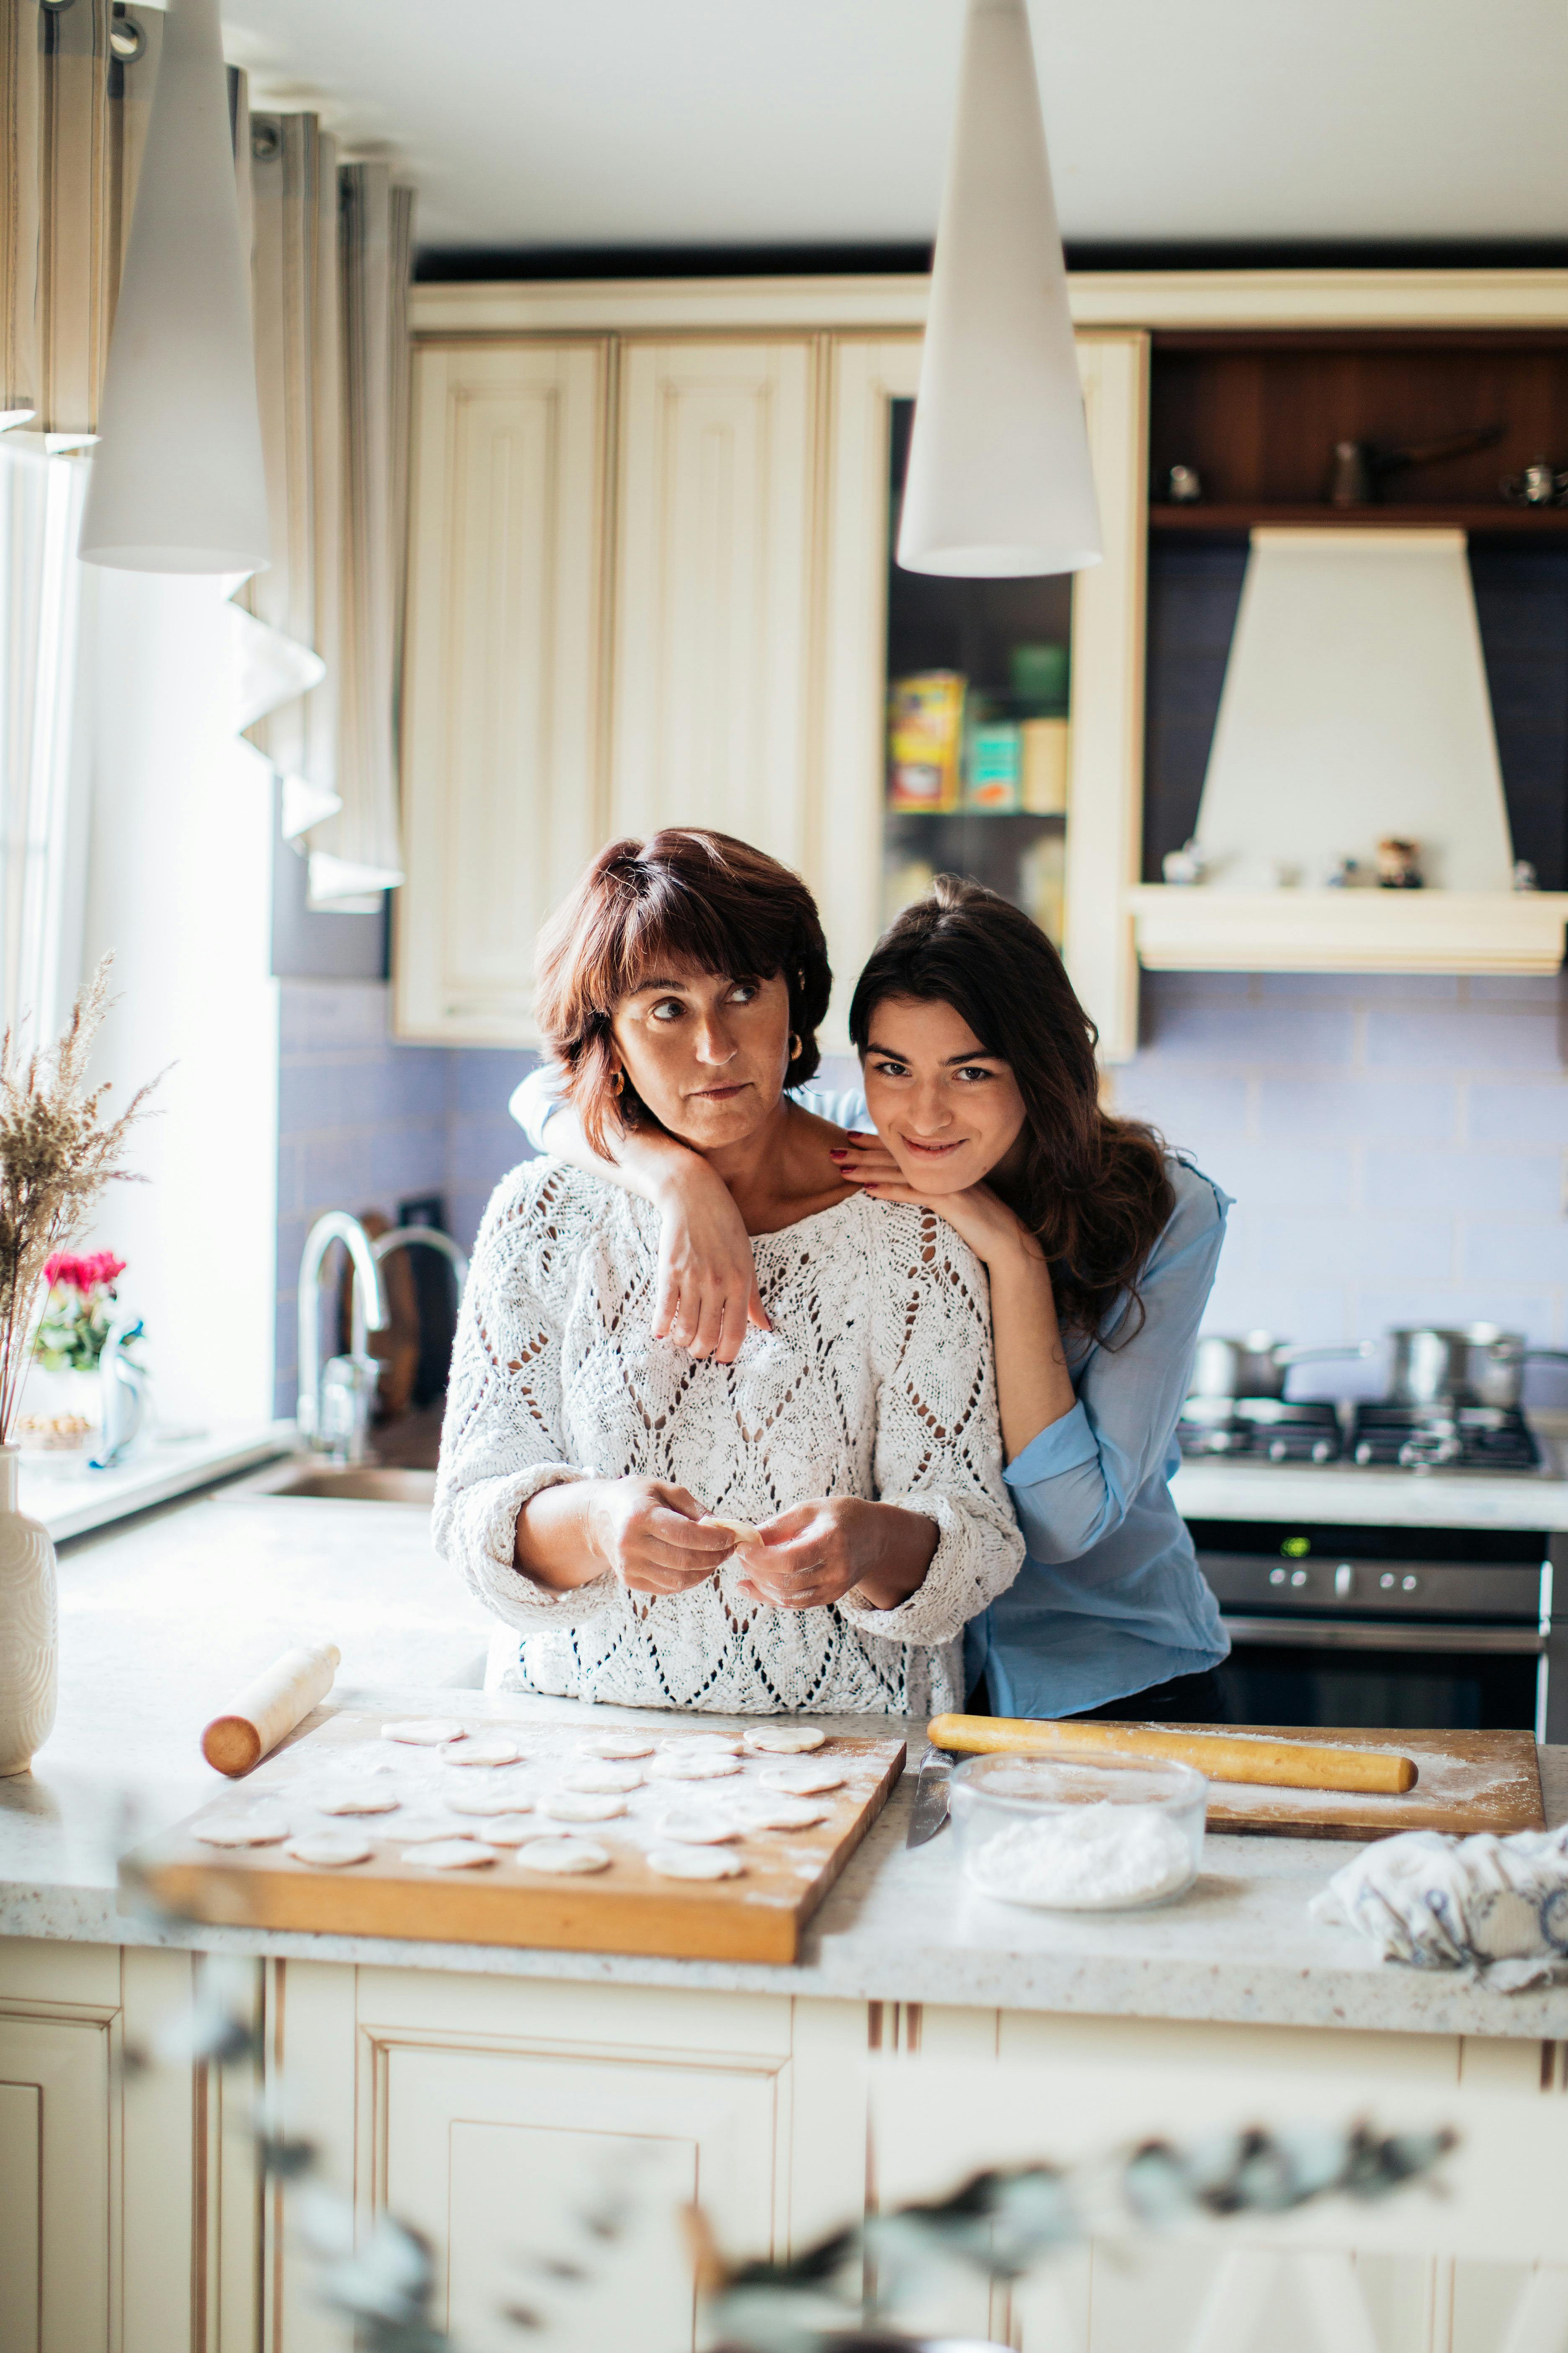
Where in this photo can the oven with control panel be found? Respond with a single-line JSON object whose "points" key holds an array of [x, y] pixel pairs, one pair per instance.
{"points": [[1421, 1628]]}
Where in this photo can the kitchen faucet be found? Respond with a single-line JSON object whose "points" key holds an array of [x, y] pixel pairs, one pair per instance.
{"points": [[401, 1238], [334, 1412]]}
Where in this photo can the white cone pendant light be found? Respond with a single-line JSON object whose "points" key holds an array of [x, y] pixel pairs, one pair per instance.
{"points": [[998, 483], [177, 481]]}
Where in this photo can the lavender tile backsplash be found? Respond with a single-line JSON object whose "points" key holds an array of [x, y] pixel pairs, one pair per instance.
{"points": [[1397, 1147]]}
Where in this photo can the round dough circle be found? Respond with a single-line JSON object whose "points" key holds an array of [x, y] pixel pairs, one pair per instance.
{"points": [[331, 1850], [782, 1813], [509, 1830], [485, 1748], [603, 1781], [581, 1805], [258, 1828], [425, 1731], [490, 1798], [357, 1801], [699, 1826], [802, 1780], [452, 1854], [784, 1739], [424, 1830], [691, 1763], [616, 1745], [561, 1855], [693, 1862]]}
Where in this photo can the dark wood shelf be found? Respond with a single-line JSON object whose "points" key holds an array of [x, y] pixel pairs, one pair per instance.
{"points": [[1215, 516]]}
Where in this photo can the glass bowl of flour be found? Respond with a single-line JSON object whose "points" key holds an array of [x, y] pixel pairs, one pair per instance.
{"points": [[1062, 1836]]}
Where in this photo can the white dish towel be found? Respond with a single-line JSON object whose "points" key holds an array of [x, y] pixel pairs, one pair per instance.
{"points": [[1496, 1907]]}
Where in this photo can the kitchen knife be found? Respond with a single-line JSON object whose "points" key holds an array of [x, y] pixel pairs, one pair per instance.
{"points": [[928, 1814]]}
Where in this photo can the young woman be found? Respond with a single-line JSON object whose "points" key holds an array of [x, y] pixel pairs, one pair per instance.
{"points": [[589, 1467], [980, 1079]]}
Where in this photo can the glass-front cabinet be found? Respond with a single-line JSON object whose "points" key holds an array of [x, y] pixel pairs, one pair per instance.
{"points": [[977, 737]]}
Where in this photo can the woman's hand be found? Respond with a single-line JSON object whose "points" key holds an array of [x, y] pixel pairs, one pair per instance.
{"points": [[818, 1552], [652, 1536], [995, 1233], [707, 1276]]}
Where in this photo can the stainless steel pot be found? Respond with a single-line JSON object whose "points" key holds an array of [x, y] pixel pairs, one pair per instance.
{"points": [[1256, 1365], [1467, 1364]]}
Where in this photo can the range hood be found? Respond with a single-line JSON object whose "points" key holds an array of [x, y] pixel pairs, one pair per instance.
{"points": [[1354, 707]]}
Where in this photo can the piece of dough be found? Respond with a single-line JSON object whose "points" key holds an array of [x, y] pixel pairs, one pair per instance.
{"points": [[693, 1862], [693, 1764], [425, 1731], [485, 1748], [616, 1745], [603, 1779], [331, 1850], [700, 1826], [424, 1830], [259, 1827], [509, 1830], [784, 1739], [452, 1854], [563, 1855], [782, 1813], [741, 1530], [728, 1744], [356, 1801], [489, 1797], [581, 1805], [802, 1780]]}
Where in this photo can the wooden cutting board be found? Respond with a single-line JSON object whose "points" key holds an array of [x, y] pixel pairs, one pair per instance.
{"points": [[626, 1908], [1467, 1781]]}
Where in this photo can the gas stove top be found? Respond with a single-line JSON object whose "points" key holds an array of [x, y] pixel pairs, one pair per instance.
{"points": [[1388, 1437]]}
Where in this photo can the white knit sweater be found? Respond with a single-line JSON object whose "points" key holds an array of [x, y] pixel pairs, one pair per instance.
{"points": [[875, 1381]]}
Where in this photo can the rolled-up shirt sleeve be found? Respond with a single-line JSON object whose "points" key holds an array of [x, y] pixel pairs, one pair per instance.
{"points": [[1074, 1483], [535, 1103]]}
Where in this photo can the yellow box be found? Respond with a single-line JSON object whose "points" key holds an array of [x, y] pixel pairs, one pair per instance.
{"points": [[1045, 766], [925, 738]]}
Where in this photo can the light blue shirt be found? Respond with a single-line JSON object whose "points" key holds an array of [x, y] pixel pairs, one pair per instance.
{"points": [[1110, 1599]]}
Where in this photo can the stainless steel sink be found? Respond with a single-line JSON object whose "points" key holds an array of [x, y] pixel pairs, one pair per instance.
{"points": [[347, 1483]]}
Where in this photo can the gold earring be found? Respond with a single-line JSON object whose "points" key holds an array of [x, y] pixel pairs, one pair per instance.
{"points": [[617, 1080], [795, 1049]]}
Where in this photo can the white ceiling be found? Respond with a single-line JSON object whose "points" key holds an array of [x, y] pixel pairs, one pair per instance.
{"points": [[661, 123]]}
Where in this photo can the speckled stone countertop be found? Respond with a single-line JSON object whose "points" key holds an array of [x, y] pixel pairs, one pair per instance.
{"points": [[162, 1620]]}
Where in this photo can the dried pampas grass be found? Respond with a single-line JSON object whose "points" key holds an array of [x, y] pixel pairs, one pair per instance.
{"points": [[57, 1152]]}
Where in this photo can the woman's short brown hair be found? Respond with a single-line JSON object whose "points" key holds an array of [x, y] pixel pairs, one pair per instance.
{"points": [[684, 896]]}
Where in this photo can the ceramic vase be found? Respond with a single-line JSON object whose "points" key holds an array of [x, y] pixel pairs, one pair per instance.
{"points": [[29, 1640]]}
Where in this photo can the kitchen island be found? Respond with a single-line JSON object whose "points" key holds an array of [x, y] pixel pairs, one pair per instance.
{"points": [[462, 2085]]}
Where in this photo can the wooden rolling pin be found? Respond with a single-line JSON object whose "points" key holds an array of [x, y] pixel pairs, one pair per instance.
{"points": [[269, 1708], [1223, 1757]]}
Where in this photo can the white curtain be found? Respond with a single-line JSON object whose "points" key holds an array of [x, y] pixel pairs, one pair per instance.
{"points": [[45, 736]]}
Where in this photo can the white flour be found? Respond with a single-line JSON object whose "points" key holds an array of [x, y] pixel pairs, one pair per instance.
{"points": [[1094, 1858]]}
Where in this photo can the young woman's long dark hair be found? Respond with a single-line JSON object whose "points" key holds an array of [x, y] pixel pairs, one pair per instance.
{"points": [[1095, 1188]]}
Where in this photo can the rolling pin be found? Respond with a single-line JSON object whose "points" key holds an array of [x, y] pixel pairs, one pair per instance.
{"points": [[269, 1708], [1223, 1757]]}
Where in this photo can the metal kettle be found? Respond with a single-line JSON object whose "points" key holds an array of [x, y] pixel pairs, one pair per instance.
{"points": [[1256, 1365]]}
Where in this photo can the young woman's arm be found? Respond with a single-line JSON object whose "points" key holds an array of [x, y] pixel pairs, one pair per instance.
{"points": [[1034, 1386], [707, 1278]]}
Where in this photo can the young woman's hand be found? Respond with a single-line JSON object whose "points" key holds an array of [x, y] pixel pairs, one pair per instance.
{"points": [[707, 1276], [651, 1536], [818, 1552], [995, 1235]]}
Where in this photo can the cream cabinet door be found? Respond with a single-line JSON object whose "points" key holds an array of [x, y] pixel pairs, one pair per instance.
{"points": [[503, 675], [1106, 784], [713, 593]]}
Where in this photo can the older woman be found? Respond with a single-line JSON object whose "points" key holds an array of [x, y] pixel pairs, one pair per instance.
{"points": [[588, 1468]]}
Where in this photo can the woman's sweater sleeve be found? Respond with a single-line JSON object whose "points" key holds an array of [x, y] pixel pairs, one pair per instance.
{"points": [[1074, 1483], [939, 1443], [501, 1440]]}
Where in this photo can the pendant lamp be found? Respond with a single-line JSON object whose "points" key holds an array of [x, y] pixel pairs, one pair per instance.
{"points": [[998, 483], [177, 481]]}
